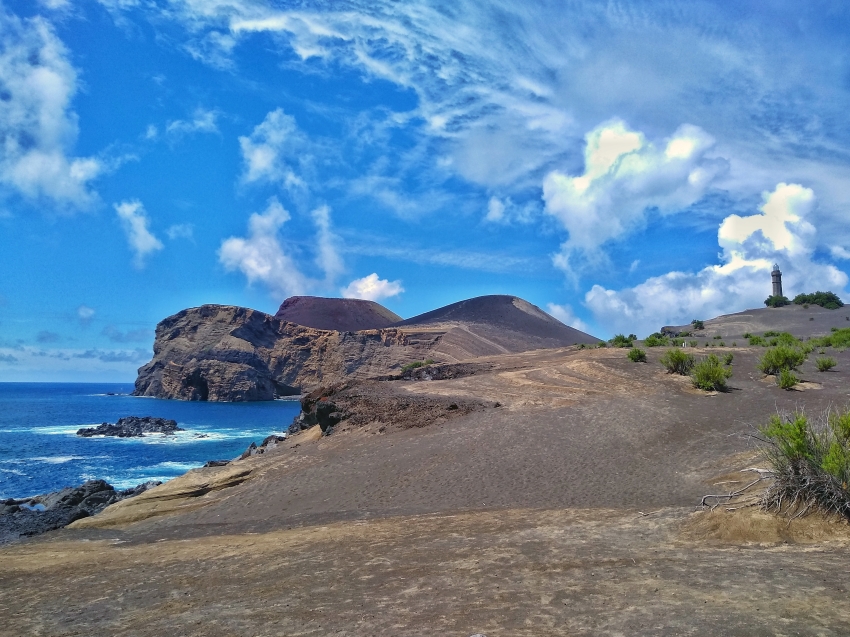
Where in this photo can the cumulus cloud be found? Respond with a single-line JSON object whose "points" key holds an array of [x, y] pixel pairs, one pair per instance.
{"points": [[625, 175], [8, 358], [85, 315], [565, 314], [371, 288], [135, 222], [263, 258], [271, 150], [46, 336], [37, 126], [203, 121], [750, 246]]}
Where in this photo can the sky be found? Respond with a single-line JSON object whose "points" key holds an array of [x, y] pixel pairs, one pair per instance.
{"points": [[622, 165]]}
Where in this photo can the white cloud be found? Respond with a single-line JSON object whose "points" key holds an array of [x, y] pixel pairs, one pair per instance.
{"points": [[37, 126], [495, 210], [55, 4], [135, 221], [263, 258], [840, 252], [503, 212], [328, 258], [181, 231], [565, 314], [751, 245], [371, 288], [624, 176], [85, 315], [203, 121], [151, 132], [260, 256], [271, 149]]}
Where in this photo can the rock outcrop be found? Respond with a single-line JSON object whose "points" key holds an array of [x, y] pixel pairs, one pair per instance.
{"points": [[226, 353], [132, 427], [42, 513]]}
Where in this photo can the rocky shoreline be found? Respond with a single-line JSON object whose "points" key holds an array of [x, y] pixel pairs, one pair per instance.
{"points": [[25, 517]]}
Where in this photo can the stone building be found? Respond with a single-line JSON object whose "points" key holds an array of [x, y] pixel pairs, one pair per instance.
{"points": [[776, 278]]}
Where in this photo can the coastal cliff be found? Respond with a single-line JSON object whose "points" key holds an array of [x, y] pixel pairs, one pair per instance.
{"points": [[228, 353]]}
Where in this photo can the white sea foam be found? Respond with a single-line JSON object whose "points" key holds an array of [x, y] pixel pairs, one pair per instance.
{"points": [[182, 467], [61, 459], [129, 483], [12, 471]]}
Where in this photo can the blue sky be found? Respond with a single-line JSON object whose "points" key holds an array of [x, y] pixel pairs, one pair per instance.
{"points": [[621, 165]]}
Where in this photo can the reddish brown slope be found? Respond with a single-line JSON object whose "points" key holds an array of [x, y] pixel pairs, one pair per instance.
{"points": [[341, 315]]}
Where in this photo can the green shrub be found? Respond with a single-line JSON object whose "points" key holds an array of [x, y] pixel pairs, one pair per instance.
{"points": [[417, 364], [771, 333], [677, 362], [698, 325], [825, 363], [810, 463], [637, 355], [692, 343], [776, 301], [840, 337], [710, 374], [747, 335], [781, 357], [829, 300], [786, 379], [727, 360], [620, 340], [756, 340], [734, 344], [655, 340]]}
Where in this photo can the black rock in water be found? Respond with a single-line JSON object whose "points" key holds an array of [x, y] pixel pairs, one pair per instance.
{"points": [[42, 513], [132, 427]]}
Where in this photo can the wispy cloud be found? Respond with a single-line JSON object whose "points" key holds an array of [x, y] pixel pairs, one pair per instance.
{"points": [[565, 314], [131, 336], [202, 121], [181, 231], [135, 222], [46, 336], [264, 257], [85, 315]]}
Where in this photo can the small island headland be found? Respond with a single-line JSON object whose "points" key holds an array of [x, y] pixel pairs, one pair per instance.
{"points": [[132, 427]]}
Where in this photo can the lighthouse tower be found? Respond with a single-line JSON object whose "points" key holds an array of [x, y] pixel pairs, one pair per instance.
{"points": [[776, 278]]}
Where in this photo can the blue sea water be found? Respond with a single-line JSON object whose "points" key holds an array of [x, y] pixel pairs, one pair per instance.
{"points": [[40, 451]]}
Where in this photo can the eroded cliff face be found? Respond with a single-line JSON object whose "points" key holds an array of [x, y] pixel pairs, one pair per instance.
{"points": [[227, 353]]}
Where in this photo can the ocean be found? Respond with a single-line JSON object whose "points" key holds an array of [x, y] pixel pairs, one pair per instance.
{"points": [[40, 451]]}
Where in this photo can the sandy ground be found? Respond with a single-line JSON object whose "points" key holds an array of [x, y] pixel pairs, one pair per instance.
{"points": [[571, 509]]}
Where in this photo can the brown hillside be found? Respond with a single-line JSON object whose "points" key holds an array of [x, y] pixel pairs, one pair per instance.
{"points": [[342, 315]]}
